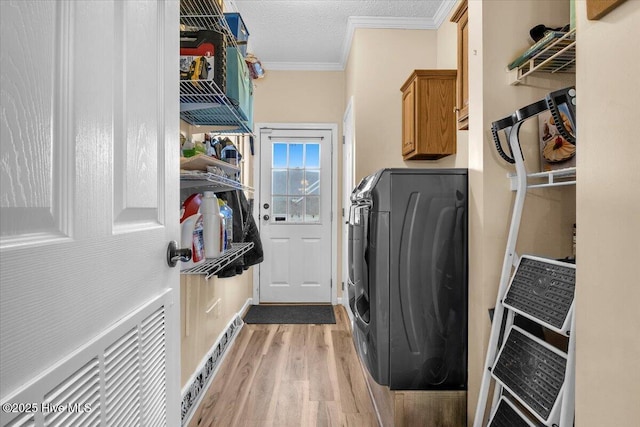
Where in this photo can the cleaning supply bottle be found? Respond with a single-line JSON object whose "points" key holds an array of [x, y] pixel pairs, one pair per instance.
{"points": [[213, 231], [228, 223], [192, 236], [191, 231], [190, 206]]}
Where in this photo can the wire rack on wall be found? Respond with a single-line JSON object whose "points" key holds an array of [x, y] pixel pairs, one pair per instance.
{"points": [[557, 56], [212, 266], [214, 182], [204, 102]]}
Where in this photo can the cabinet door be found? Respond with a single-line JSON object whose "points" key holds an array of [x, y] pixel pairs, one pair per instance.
{"points": [[462, 98], [409, 119]]}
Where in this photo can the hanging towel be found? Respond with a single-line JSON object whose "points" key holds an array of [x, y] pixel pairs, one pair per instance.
{"points": [[244, 230]]}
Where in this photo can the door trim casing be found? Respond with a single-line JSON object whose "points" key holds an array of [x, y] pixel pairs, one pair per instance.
{"points": [[347, 147], [333, 128]]}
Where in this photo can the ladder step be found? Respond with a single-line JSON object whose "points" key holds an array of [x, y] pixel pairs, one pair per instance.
{"points": [[532, 371], [543, 290], [507, 415]]}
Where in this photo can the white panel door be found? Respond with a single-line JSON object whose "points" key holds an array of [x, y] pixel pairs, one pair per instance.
{"points": [[89, 201], [295, 215]]}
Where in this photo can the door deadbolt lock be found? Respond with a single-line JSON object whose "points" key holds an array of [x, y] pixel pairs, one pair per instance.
{"points": [[266, 217], [175, 254], [266, 206]]}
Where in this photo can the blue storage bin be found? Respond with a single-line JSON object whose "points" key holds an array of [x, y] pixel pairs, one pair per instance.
{"points": [[239, 31], [239, 88]]}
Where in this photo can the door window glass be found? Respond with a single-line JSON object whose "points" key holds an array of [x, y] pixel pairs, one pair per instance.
{"points": [[295, 182]]}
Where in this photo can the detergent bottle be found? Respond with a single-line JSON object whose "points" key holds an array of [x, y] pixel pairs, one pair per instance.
{"points": [[190, 206], [213, 231], [192, 236], [192, 230]]}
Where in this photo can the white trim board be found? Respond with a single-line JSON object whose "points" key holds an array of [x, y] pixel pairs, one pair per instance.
{"points": [[196, 387]]}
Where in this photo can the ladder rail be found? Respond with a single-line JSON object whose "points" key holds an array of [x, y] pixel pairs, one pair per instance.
{"points": [[495, 339], [511, 125], [567, 413]]}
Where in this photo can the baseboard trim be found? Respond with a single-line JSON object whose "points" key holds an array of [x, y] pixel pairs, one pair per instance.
{"points": [[198, 384]]}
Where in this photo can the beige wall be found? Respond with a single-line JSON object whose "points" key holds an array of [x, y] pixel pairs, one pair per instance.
{"points": [[498, 32], [299, 96], [608, 205], [201, 326], [447, 59], [206, 308], [379, 63]]}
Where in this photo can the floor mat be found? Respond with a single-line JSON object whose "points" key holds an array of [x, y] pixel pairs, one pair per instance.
{"points": [[293, 314]]}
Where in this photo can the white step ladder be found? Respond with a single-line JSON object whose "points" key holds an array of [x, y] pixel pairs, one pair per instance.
{"points": [[534, 381]]}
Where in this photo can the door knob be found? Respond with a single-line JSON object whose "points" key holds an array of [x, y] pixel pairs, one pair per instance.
{"points": [[266, 217], [175, 254]]}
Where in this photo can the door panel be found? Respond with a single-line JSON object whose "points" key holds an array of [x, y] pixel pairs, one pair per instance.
{"points": [[89, 195], [33, 205], [295, 215]]}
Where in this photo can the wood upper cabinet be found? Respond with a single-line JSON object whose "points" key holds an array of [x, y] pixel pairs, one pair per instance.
{"points": [[460, 17], [428, 116], [408, 119]]}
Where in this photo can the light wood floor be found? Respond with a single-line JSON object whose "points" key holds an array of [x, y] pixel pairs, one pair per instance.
{"points": [[289, 375]]}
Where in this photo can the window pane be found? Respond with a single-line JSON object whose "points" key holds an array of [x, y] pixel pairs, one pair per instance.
{"points": [[313, 156], [279, 155], [296, 209], [279, 182], [278, 207], [296, 182], [312, 213], [295, 155], [313, 182]]}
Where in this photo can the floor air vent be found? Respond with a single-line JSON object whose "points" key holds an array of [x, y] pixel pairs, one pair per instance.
{"points": [[116, 379]]}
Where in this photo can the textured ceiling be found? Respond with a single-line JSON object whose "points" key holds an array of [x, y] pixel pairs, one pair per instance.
{"points": [[316, 34]]}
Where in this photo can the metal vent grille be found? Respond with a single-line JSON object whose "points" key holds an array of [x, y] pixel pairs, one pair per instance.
{"points": [[154, 388], [116, 379], [24, 420], [122, 379], [76, 401], [135, 375]]}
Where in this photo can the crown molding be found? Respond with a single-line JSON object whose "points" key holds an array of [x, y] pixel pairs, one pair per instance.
{"points": [[381, 22], [377, 22], [444, 11], [302, 66]]}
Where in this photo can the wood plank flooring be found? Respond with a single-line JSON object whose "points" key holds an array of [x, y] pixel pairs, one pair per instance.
{"points": [[289, 375]]}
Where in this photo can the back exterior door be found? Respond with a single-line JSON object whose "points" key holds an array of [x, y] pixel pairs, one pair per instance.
{"points": [[89, 308], [295, 215]]}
